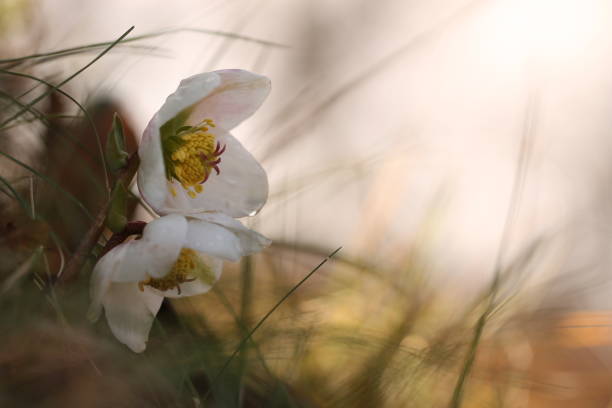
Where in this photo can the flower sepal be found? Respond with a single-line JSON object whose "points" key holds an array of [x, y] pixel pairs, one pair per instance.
{"points": [[114, 153]]}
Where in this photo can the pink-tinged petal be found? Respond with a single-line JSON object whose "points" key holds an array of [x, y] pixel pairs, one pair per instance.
{"points": [[237, 97], [130, 313], [190, 93], [249, 241], [228, 97], [240, 189], [197, 286], [155, 253]]}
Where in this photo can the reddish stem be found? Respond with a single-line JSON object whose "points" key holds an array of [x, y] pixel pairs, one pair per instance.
{"points": [[132, 228], [78, 258]]}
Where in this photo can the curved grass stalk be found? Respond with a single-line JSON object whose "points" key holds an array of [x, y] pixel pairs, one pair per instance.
{"points": [[81, 108], [65, 81], [263, 320], [46, 56], [491, 299], [22, 203], [50, 181]]}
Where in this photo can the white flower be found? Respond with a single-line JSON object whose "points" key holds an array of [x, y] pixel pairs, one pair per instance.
{"points": [[175, 257], [190, 163]]}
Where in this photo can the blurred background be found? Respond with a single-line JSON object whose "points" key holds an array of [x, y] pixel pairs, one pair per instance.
{"points": [[458, 151]]}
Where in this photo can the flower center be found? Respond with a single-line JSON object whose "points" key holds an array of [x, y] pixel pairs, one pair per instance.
{"points": [[187, 267], [191, 155]]}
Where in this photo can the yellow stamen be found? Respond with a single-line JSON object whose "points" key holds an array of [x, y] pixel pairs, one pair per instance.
{"points": [[195, 158], [142, 283], [187, 266]]}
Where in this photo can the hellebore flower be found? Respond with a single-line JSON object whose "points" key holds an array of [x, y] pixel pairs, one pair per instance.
{"points": [[189, 162], [175, 257]]}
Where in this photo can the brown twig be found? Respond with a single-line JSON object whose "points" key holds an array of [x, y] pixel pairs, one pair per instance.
{"points": [[77, 260]]}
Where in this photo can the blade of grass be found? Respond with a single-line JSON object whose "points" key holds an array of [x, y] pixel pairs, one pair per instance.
{"points": [[243, 329], [81, 108], [150, 51], [515, 197], [37, 115], [186, 379], [226, 44], [21, 271], [93, 46], [61, 247], [246, 295], [263, 320], [44, 119], [22, 203], [65, 81], [50, 181], [359, 264]]}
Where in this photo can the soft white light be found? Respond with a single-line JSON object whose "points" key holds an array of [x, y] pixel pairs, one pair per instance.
{"points": [[542, 29]]}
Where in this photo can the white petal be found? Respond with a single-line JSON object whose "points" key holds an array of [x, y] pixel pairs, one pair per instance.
{"points": [[130, 313], [155, 253], [134, 264], [101, 279], [167, 231], [213, 240], [228, 97], [239, 190], [151, 171], [249, 241], [197, 287], [237, 97]]}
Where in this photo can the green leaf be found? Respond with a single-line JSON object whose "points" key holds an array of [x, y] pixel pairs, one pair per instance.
{"points": [[115, 154], [116, 219]]}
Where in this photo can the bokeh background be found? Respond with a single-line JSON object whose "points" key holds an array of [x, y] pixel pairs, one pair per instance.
{"points": [[458, 151]]}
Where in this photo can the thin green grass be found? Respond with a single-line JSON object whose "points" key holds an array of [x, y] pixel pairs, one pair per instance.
{"points": [[491, 301], [51, 182], [264, 318], [80, 107], [65, 81], [360, 357], [72, 51]]}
